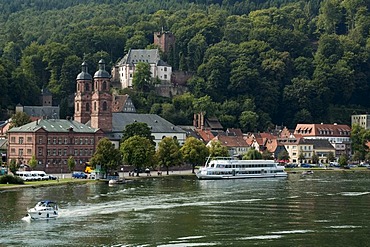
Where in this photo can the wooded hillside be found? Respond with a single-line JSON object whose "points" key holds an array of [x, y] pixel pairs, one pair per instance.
{"points": [[257, 63]]}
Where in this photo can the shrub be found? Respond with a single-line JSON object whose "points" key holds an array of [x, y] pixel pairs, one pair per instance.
{"points": [[11, 179]]}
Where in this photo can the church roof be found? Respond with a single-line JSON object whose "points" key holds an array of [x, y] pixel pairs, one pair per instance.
{"points": [[101, 73], [84, 75]]}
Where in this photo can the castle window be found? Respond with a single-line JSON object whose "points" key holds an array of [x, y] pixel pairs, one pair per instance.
{"points": [[104, 106]]}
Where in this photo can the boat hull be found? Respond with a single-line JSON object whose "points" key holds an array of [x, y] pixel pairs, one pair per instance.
{"points": [[215, 177], [39, 215]]}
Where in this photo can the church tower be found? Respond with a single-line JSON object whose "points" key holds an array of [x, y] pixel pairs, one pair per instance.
{"points": [[83, 96], [101, 99]]}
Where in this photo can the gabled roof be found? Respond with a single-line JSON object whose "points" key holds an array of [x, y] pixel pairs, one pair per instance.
{"points": [[231, 141], [135, 56], [42, 111], [213, 123], [317, 143], [54, 126], [155, 122], [334, 130], [120, 101], [234, 132], [205, 135]]}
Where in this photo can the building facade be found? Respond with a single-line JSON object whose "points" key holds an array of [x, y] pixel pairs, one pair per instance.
{"points": [[363, 120], [52, 142], [337, 134]]}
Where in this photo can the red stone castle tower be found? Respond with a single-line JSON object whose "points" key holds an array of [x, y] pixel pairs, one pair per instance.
{"points": [[93, 100]]}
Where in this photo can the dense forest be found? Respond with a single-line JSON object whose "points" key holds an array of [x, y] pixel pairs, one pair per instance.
{"points": [[256, 63]]}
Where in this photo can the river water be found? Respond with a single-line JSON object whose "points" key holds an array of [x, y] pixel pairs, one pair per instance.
{"points": [[323, 209]]}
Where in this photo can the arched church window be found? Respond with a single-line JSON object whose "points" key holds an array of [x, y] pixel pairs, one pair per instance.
{"points": [[87, 88], [95, 106], [87, 107], [105, 106], [78, 107], [104, 85]]}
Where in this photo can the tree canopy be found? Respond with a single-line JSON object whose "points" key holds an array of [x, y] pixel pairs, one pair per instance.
{"points": [[106, 155], [296, 61]]}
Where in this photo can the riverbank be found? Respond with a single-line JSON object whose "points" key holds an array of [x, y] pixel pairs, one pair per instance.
{"points": [[66, 179]]}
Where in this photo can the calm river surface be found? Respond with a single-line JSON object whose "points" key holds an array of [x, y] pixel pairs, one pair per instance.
{"points": [[323, 209]]}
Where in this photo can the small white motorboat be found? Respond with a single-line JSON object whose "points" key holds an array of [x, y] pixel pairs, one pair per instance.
{"points": [[44, 210]]}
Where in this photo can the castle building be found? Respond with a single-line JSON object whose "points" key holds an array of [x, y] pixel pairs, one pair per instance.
{"points": [[165, 41], [125, 69]]}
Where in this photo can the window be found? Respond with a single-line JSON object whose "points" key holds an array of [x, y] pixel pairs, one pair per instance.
{"points": [[12, 151], [77, 107], [92, 141], [60, 140], [12, 139], [95, 106], [49, 140], [76, 152], [20, 140], [87, 107], [60, 152], [81, 141], [49, 152], [105, 106], [54, 152], [165, 68], [20, 152], [40, 151], [104, 85], [54, 140], [65, 140], [40, 140], [29, 139], [65, 152], [87, 87]]}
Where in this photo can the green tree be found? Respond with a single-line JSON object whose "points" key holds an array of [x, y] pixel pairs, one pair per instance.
{"points": [[137, 129], [142, 79], [248, 121], [19, 119], [315, 158], [331, 156], [13, 166], [217, 150], [33, 162], [71, 163], [283, 155], [343, 160], [266, 155], [168, 153], [194, 152], [301, 158], [106, 155], [137, 151], [252, 154], [358, 156]]}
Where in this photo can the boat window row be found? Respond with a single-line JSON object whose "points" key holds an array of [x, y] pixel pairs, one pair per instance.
{"points": [[234, 173], [243, 165]]}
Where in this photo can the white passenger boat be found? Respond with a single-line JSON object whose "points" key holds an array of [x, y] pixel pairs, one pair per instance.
{"points": [[44, 210], [229, 168]]}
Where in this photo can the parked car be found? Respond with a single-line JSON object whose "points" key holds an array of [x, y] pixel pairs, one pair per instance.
{"points": [[291, 165], [79, 175], [306, 166], [52, 177], [40, 175]]}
